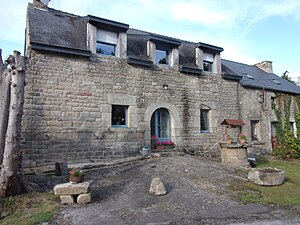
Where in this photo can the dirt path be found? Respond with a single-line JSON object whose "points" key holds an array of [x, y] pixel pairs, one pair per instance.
{"points": [[197, 194]]}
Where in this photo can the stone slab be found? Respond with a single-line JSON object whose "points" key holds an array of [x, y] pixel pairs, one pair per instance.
{"points": [[84, 198], [72, 189]]}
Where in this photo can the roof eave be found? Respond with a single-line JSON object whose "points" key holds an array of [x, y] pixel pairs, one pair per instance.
{"points": [[268, 88], [140, 62], [232, 77], [190, 70], [165, 40], [210, 48], [59, 49], [109, 23]]}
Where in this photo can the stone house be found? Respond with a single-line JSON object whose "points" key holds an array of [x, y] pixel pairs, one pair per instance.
{"points": [[99, 90]]}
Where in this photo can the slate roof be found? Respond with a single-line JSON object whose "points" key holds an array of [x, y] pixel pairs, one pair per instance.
{"points": [[253, 77], [56, 28], [61, 32]]}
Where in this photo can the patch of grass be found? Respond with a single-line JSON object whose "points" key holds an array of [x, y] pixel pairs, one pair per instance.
{"points": [[30, 209], [286, 194]]}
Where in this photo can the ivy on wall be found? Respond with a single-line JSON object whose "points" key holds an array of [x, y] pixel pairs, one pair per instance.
{"points": [[288, 143]]}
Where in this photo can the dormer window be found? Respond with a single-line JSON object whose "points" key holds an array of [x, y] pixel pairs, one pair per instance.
{"points": [[208, 60], [162, 50], [106, 42], [107, 37]]}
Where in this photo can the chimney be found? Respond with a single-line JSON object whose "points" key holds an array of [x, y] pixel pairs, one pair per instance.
{"points": [[42, 4], [265, 66]]}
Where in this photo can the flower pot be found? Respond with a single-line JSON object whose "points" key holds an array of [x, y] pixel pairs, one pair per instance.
{"points": [[160, 147], [76, 179]]}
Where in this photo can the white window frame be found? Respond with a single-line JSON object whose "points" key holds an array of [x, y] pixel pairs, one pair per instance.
{"points": [[107, 37]]}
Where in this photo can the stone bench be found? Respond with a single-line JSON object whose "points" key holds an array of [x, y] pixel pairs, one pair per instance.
{"points": [[74, 193]]}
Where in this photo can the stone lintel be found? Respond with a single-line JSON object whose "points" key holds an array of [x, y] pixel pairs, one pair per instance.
{"points": [[72, 189]]}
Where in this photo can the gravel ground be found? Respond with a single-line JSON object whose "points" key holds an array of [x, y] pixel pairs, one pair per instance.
{"points": [[197, 193]]}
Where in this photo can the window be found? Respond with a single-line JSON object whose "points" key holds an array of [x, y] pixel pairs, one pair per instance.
{"points": [[273, 102], [292, 128], [105, 49], [106, 42], [254, 130], [119, 116], [204, 121], [208, 60], [161, 56]]}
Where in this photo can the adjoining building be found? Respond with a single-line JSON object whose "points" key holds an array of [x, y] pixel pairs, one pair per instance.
{"points": [[100, 90]]}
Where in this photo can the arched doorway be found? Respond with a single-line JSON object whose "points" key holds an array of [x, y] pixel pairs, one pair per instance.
{"points": [[161, 124]]}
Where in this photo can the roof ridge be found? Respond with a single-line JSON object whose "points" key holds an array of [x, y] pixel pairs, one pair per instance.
{"points": [[52, 10], [239, 63], [165, 36]]}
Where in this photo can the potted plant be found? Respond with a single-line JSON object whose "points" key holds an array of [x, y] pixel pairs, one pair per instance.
{"points": [[242, 138], [76, 176], [169, 144], [160, 145]]}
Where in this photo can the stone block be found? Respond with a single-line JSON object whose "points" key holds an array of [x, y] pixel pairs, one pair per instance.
{"points": [[72, 189], [67, 199], [157, 187], [84, 198]]}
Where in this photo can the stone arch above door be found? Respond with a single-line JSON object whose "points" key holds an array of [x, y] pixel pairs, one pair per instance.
{"points": [[176, 123]]}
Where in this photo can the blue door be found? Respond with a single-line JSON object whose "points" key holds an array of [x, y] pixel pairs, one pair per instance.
{"points": [[161, 124]]}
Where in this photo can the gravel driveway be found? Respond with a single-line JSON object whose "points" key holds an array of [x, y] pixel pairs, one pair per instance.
{"points": [[197, 193]]}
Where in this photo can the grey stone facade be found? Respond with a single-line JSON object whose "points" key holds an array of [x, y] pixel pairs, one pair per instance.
{"points": [[69, 101], [69, 97]]}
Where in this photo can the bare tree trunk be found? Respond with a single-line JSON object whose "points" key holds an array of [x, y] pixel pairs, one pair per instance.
{"points": [[9, 175], [5, 80]]}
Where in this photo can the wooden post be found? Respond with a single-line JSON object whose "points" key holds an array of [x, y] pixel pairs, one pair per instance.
{"points": [[9, 175], [5, 80]]}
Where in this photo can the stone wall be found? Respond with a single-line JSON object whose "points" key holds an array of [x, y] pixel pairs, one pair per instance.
{"points": [[67, 112], [68, 104]]}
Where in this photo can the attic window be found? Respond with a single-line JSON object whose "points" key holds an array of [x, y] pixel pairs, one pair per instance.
{"points": [[161, 54], [208, 60], [276, 81], [106, 42], [249, 76]]}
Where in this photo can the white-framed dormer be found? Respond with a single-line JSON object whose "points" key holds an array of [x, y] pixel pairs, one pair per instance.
{"points": [[208, 58], [163, 51], [106, 37]]}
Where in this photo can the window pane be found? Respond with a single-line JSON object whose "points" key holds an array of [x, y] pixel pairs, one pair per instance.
{"points": [[161, 56], [119, 115], [208, 57], [107, 36], [207, 66], [204, 120], [105, 49], [254, 130]]}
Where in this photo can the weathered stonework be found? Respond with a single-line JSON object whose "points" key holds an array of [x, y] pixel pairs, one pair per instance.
{"points": [[68, 108], [68, 103]]}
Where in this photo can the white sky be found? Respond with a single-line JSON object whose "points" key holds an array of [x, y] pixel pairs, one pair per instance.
{"points": [[250, 31]]}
